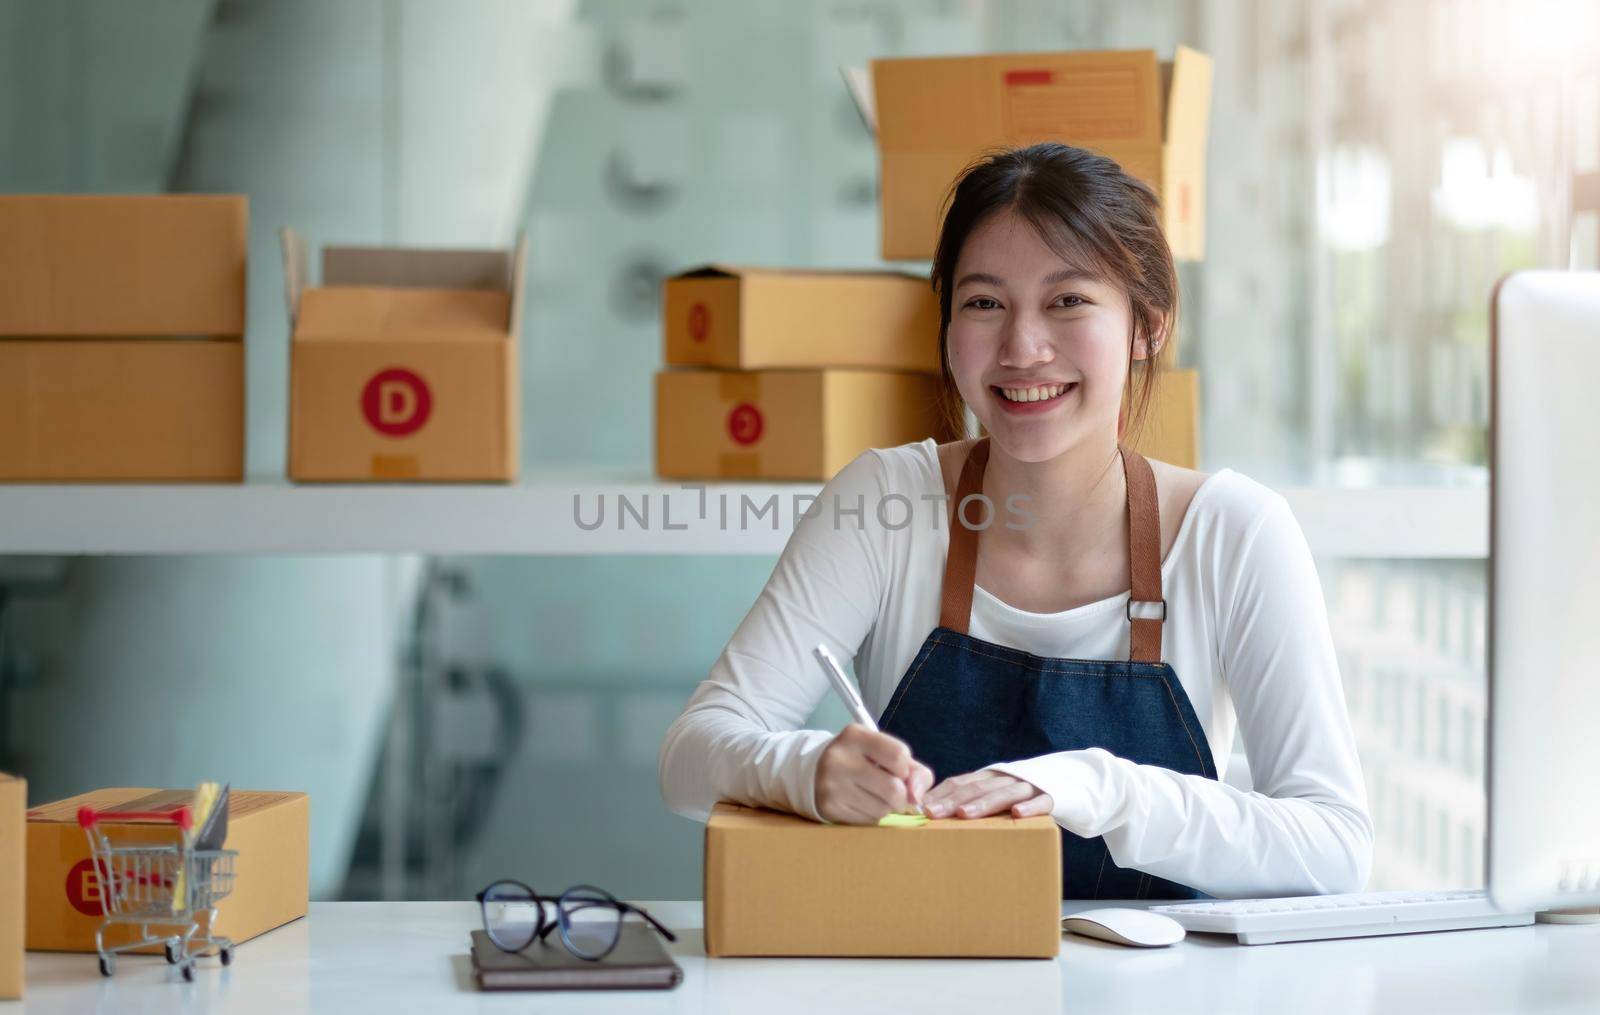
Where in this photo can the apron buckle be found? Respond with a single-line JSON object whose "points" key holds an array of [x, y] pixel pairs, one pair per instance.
{"points": [[1147, 602]]}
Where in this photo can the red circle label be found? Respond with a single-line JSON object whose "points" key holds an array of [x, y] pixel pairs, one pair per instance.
{"points": [[699, 322], [83, 888], [745, 423], [396, 402]]}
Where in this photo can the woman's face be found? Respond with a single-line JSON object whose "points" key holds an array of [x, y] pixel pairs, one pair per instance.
{"points": [[1038, 348]]}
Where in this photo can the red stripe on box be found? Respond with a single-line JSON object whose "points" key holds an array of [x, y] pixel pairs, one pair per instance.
{"points": [[1028, 77]]}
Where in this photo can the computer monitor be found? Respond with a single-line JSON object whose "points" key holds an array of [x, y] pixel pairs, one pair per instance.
{"points": [[1544, 591]]}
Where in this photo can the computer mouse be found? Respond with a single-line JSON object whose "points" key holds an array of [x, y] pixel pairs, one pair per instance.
{"points": [[1135, 927]]}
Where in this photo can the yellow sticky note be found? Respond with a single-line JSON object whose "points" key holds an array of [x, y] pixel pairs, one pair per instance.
{"points": [[902, 820]]}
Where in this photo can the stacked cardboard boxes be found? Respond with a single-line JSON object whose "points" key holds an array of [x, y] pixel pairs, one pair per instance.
{"points": [[933, 116], [403, 364], [122, 337], [790, 374]]}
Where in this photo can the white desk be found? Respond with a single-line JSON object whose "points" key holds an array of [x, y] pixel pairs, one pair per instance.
{"points": [[411, 956]]}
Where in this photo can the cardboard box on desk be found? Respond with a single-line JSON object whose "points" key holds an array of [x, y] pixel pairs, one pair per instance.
{"points": [[270, 831], [760, 318], [785, 424], [13, 886], [403, 364], [934, 115], [780, 885]]}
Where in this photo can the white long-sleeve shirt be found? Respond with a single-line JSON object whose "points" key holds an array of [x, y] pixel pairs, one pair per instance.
{"points": [[1246, 632]]}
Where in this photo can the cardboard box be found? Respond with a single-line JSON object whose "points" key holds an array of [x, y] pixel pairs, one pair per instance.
{"points": [[758, 318], [1171, 431], [122, 410], [935, 115], [270, 831], [776, 884], [13, 887], [785, 424], [100, 266], [403, 365]]}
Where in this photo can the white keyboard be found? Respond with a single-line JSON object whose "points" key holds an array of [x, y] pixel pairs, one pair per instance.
{"points": [[1316, 917]]}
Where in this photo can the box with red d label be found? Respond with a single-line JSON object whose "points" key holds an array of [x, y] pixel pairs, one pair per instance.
{"points": [[404, 364], [786, 424]]}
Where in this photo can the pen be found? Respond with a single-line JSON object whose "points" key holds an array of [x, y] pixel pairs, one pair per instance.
{"points": [[846, 690], [843, 687]]}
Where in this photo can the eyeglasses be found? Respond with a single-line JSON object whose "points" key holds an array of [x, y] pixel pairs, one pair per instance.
{"points": [[514, 916]]}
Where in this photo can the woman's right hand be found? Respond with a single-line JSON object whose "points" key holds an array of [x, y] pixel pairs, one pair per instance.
{"points": [[863, 775]]}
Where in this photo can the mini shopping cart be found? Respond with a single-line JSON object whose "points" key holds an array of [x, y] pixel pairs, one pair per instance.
{"points": [[159, 885]]}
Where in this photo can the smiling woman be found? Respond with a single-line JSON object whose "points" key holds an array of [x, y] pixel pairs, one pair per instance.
{"points": [[1093, 664], [1107, 278]]}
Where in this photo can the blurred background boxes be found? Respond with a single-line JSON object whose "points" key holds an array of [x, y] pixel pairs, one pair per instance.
{"points": [[404, 364], [13, 803], [755, 318], [91, 266], [810, 368], [1171, 430], [935, 115], [785, 424], [271, 832], [121, 337], [136, 410]]}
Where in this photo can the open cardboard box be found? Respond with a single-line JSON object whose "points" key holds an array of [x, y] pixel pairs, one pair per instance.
{"points": [[777, 884], [760, 318], [403, 363], [933, 116]]}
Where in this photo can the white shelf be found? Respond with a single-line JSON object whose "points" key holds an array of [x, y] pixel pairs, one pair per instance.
{"points": [[537, 517]]}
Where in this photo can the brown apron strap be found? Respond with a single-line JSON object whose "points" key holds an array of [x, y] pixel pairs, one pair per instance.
{"points": [[1144, 559], [1144, 552], [961, 561]]}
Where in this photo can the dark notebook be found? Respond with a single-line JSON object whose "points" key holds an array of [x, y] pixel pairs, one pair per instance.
{"points": [[639, 962]]}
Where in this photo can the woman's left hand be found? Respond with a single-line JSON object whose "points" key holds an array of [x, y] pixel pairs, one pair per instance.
{"points": [[980, 794]]}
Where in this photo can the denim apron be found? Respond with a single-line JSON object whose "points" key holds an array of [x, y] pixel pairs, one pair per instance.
{"points": [[965, 703]]}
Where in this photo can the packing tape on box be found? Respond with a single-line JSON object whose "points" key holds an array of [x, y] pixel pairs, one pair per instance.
{"points": [[735, 388], [739, 464], [395, 467], [739, 386]]}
